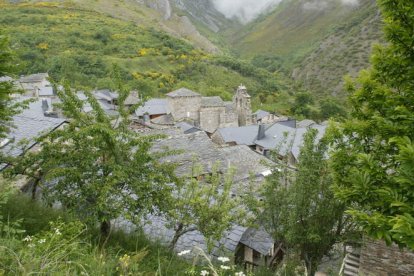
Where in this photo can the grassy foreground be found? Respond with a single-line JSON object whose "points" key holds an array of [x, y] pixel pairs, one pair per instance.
{"points": [[37, 239]]}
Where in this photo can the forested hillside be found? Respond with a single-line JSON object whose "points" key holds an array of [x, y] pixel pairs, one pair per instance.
{"points": [[82, 46]]}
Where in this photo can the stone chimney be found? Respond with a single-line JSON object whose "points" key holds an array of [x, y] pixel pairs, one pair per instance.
{"points": [[45, 105], [261, 132]]}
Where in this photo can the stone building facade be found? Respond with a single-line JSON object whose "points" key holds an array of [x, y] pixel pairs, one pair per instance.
{"points": [[210, 113], [184, 104], [381, 260]]}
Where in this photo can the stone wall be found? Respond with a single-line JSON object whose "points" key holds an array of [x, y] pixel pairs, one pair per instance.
{"points": [[216, 138], [185, 107], [381, 260], [210, 118], [230, 120]]}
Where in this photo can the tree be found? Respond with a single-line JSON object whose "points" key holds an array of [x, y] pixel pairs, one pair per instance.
{"points": [[299, 206], [371, 159], [329, 108], [8, 107], [204, 205], [98, 167], [302, 105]]}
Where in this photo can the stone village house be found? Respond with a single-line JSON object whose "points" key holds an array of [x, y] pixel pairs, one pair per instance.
{"points": [[249, 247], [206, 113], [237, 137]]}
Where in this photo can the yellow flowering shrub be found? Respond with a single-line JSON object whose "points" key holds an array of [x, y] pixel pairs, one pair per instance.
{"points": [[43, 46]]}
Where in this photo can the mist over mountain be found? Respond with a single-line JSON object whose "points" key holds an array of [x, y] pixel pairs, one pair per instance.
{"points": [[244, 10], [247, 10]]}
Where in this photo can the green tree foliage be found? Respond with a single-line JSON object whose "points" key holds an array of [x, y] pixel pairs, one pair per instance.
{"points": [[8, 108], [205, 205], [373, 166], [299, 206], [97, 167], [331, 108], [302, 105]]}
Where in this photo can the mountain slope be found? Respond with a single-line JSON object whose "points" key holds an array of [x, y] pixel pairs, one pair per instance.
{"points": [[345, 51], [158, 14], [308, 38], [82, 46]]}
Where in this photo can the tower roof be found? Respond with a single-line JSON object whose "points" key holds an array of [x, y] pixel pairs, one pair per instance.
{"points": [[242, 90]]}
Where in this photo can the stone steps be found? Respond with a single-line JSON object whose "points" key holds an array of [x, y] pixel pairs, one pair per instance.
{"points": [[351, 262]]}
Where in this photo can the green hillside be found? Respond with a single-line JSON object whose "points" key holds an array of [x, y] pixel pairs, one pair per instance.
{"points": [[345, 51], [315, 42], [82, 46]]}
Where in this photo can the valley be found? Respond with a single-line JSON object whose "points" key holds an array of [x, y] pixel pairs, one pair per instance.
{"points": [[206, 137], [303, 45]]}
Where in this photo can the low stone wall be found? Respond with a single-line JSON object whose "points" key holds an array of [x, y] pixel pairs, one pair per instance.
{"points": [[381, 260]]}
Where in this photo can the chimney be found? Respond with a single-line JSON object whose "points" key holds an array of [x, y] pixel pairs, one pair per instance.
{"points": [[45, 105], [261, 133]]}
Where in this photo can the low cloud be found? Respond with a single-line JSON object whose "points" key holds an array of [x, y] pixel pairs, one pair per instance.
{"points": [[247, 10], [350, 2], [315, 5], [244, 10]]}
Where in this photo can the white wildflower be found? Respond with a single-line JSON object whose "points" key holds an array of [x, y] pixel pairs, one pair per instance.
{"points": [[27, 239], [224, 267], [241, 273], [57, 232], [31, 245], [223, 259], [204, 273], [185, 252], [42, 240]]}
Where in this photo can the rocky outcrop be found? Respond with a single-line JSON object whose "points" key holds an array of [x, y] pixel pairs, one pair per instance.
{"points": [[162, 6], [203, 11]]}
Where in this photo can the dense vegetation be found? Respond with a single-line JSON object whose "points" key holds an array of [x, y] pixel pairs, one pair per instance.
{"points": [[37, 239], [374, 155], [82, 46]]}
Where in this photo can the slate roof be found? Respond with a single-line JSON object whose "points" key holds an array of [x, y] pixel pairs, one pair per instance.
{"points": [[289, 122], [5, 78], [199, 146], [164, 120], [132, 98], [183, 92], [34, 78], [156, 228], [153, 107], [277, 136], [245, 135], [257, 239], [300, 132], [86, 106], [187, 128], [196, 147], [105, 94], [215, 101], [260, 114], [287, 139], [305, 123], [28, 125], [246, 162], [110, 109], [46, 91]]}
